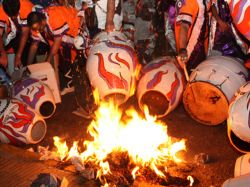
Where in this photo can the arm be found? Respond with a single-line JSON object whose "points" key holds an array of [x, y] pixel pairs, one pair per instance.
{"points": [[32, 52], [3, 55], [22, 43], [183, 37], [109, 27], [223, 25], [54, 48]]}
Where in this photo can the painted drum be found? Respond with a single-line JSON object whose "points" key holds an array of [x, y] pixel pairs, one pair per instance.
{"points": [[115, 37], [241, 181], [112, 66], [36, 94], [238, 122], [242, 165], [19, 123], [240, 13], [45, 73], [211, 87], [160, 86]]}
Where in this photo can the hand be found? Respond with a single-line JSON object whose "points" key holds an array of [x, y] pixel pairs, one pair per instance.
{"points": [[109, 27], [3, 59], [182, 57], [223, 26], [18, 62]]}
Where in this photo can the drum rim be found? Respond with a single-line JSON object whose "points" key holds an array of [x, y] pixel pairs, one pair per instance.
{"points": [[191, 115]]}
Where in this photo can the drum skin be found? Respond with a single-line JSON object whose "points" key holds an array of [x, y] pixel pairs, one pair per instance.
{"points": [[160, 86], [211, 87], [238, 122], [19, 123], [112, 66], [35, 94]]}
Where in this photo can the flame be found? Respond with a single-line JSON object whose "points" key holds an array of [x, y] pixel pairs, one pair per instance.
{"points": [[191, 179], [145, 140]]}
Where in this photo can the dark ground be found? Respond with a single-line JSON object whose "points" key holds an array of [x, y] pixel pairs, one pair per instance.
{"points": [[212, 141]]}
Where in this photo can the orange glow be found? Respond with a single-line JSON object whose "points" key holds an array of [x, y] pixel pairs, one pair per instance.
{"points": [[145, 140]]}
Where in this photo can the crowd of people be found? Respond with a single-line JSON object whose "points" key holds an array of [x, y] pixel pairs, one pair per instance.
{"points": [[188, 29]]}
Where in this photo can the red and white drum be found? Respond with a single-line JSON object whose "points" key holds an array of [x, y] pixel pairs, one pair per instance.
{"points": [[36, 94], [112, 66], [20, 124], [240, 12], [161, 86], [212, 86], [238, 122]]}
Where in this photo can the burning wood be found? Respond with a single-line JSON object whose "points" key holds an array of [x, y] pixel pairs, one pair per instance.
{"points": [[123, 151]]}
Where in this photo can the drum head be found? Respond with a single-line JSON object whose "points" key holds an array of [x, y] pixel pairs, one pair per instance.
{"points": [[205, 103]]}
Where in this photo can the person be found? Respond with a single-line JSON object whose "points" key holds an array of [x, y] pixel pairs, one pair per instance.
{"points": [[223, 37], [144, 35], [191, 32], [58, 25], [109, 15], [128, 23], [13, 21], [169, 17]]}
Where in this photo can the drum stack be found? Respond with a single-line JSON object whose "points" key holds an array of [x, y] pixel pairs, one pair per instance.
{"points": [[211, 87], [112, 66], [29, 101]]}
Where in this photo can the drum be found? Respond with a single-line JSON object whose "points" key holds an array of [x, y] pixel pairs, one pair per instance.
{"points": [[19, 124], [242, 165], [161, 86], [36, 94], [238, 122], [112, 66], [211, 87], [45, 73], [240, 13]]}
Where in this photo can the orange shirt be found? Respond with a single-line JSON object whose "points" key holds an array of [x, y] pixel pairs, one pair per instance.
{"points": [[62, 21], [8, 24], [25, 9], [191, 12]]}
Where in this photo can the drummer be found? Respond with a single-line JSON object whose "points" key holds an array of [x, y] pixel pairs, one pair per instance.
{"points": [[191, 32]]}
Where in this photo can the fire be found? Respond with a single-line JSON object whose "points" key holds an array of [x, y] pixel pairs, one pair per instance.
{"points": [[144, 140]]}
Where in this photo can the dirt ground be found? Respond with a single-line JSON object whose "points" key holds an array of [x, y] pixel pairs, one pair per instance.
{"points": [[212, 141]]}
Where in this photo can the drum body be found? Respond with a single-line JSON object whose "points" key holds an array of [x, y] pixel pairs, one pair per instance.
{"points": [[211, 87], [36, 94], [19, 124], [161, 86], [45, 73], [112, 66], [238, 122], [240, 13]]}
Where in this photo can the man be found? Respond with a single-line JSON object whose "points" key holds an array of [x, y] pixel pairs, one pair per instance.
{"points": [[191, 32], [109, 14], [13, 22]]}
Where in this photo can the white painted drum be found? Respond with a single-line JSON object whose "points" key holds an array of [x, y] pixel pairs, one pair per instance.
{"points": [[36, 94], [238, 122], [212, 85], [45, 73], [20, 124], [242, 165], [112, 66], [161, 86]]}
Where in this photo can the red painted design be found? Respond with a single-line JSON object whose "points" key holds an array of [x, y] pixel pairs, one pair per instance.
{"points": [[156, 79], [122, 61], [112, 80], [171, 95]]}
